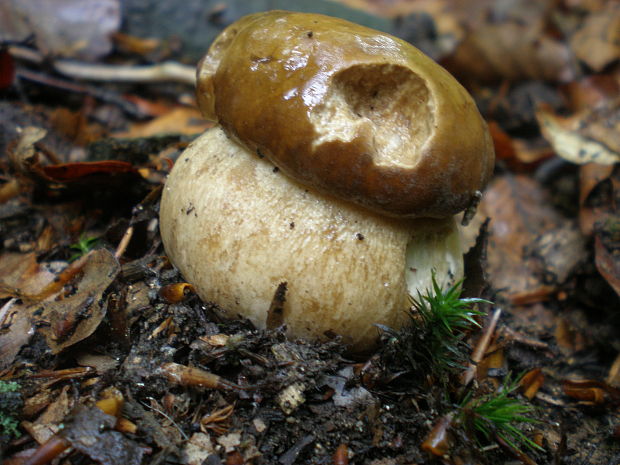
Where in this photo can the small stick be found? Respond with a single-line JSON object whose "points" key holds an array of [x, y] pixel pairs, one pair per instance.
{"points": [[168, 71], [481, 348], [122, 245], [103, 95], [511, 334]]}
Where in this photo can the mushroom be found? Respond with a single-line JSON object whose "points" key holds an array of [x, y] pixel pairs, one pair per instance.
{"points": [[340, 158]]}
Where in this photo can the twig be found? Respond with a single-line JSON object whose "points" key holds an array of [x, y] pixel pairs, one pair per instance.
{"points": [[168, 71], [481, 348], [513, 335], [122, 246], [103, 95]]}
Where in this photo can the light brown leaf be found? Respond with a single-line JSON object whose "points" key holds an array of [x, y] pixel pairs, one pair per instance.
{"points": [[590, 136], [76, 317], [597, 42]]}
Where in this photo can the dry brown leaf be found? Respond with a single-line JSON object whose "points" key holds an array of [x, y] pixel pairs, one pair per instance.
{"points": [[137, 45], [75, 126], [20, 274], [48, 423], [590, 136], [91, 432], [520, 155], [197, 449], [591, 177], [569, 338], [608, 259], [590, 5], [76, 317], [512, 51], [557, 253], [531, 382], [597, 42], [613, 377], [24, 154], [180, 120], [591, 91], [65, 321], [101, 363], [520, 213], [17, 329]]}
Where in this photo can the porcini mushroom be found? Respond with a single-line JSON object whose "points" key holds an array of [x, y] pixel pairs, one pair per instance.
{"points": [[340, 158]]}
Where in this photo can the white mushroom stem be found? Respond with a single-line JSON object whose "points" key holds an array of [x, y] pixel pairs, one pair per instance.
{"points": [[236, 228]]}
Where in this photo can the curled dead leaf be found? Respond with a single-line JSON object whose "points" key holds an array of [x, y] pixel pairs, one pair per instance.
{"points": [[590, 136], [76, 317], [597, 41], [175, 293]]}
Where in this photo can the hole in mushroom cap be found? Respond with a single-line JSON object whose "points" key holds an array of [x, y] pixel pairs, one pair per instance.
{"points": [[388, 105]]}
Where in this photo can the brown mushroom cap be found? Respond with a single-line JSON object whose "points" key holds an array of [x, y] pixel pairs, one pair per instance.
{"points": [[236, 228], [348, 110]]}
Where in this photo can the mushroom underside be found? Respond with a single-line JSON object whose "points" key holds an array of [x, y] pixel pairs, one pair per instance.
{"points": [[237, 228]]}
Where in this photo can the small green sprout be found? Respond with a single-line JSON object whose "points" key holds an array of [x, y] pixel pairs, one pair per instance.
{"points": [[497, 414], [8, 426], [8, 386], [434, 342], [8, 403], [82, 247], [445, 318]]}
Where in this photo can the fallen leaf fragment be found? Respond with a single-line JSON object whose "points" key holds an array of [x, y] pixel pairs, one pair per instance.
{"points": [[590, 136], [197, 449], [341, 455], [594, 180], [179, 120], [531, 382], [569, 338], [591, 391], [82, 423], [608, 262], [177, 292], [511, 50], [23, 155], [47, 424], [17, 331], [21, 275], [597, 41], [230, 441], [590, 91], [7, 69], [613, 377], [439, 440], [69, 172], [559, 252], [133, 44], [91, 433], [217, 421], [76, 317], [520, 214]]}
